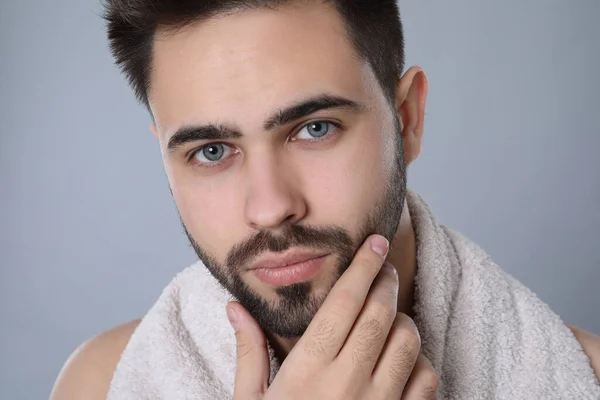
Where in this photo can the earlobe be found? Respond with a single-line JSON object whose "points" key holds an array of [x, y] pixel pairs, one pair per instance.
{"points": [[410, 106]]}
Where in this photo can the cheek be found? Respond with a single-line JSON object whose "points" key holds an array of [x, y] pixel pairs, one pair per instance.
{"points": [[207, 213], [347, 184]]}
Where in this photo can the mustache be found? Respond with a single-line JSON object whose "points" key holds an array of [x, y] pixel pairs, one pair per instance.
{"points": [[333, 239]]}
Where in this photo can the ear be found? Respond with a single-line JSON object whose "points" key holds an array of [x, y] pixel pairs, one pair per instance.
{"points": [[154, 130], [411, 95]]}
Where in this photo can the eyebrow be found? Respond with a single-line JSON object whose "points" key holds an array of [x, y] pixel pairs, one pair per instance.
{"points": [[280, 118]]}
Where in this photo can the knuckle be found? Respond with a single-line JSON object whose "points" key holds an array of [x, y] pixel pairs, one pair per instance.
{"points": [[429, 394], [322, 339], [430, 383], [383, 311], [407, 330], [404, 353], [428, 378], [243, 349], [370, 334], [410, 342], [325, 328], [401, 363]]}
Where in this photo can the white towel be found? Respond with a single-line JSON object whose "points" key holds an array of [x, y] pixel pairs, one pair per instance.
{"points": [[487, 336]]}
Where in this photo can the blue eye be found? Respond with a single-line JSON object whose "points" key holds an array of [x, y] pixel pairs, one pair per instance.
{"points": [[212, 153], [316, 129]]}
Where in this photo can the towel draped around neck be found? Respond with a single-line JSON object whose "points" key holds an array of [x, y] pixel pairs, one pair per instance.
{"points": [[486, 335]]}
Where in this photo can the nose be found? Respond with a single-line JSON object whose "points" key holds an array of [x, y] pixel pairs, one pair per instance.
{"points": [[272, 194]]}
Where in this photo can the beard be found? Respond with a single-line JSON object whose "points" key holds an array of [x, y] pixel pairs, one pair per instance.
{"points": [[296, 304]]}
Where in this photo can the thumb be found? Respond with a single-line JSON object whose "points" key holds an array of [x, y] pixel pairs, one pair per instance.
{"points": [[252, 372]]}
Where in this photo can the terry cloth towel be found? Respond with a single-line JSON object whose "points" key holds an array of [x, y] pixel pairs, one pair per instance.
{"points": [[487, 336]]}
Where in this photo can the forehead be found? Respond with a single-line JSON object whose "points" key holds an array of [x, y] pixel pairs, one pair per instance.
{"points": [[241, 66]]}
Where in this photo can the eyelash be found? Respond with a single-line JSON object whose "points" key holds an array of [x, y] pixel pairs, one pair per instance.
{"points": [[337, 127]]}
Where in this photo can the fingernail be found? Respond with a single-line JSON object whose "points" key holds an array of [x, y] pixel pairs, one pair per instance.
{"points": [[380, 245], [233, 318]]}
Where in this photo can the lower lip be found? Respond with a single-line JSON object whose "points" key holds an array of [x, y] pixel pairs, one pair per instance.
{"points": [[288, 275]]}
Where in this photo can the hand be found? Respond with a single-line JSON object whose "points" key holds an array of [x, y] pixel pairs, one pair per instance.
{"points": [[356, 347]]}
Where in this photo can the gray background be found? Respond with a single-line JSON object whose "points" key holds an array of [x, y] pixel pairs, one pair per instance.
{"points": [[89, 232]]}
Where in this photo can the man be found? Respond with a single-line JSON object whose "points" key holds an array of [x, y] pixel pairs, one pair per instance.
{"points": [[286, 128]]}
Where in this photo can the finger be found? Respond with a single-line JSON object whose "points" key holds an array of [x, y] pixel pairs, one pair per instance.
{"points": [[370, 331], [329, 328], [252, 371], [423, 382], [398, 357]]}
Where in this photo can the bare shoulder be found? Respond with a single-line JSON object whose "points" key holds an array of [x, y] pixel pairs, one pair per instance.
{"points": [[591, 346], [87, 373]]}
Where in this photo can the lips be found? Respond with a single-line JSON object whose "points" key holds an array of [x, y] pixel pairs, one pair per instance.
{"points": [[284, 260], [289, 270]]}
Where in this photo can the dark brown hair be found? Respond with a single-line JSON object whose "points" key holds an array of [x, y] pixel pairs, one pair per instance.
{"points": [[373, 26]]}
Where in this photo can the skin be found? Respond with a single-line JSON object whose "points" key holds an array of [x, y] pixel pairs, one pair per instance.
{"points": [[238, 70]]}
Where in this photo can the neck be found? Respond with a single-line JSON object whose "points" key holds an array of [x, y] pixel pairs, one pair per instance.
{"points": [[403, 256]]}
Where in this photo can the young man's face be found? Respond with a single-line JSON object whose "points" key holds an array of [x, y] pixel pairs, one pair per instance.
{"points": [[316, 183]]}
